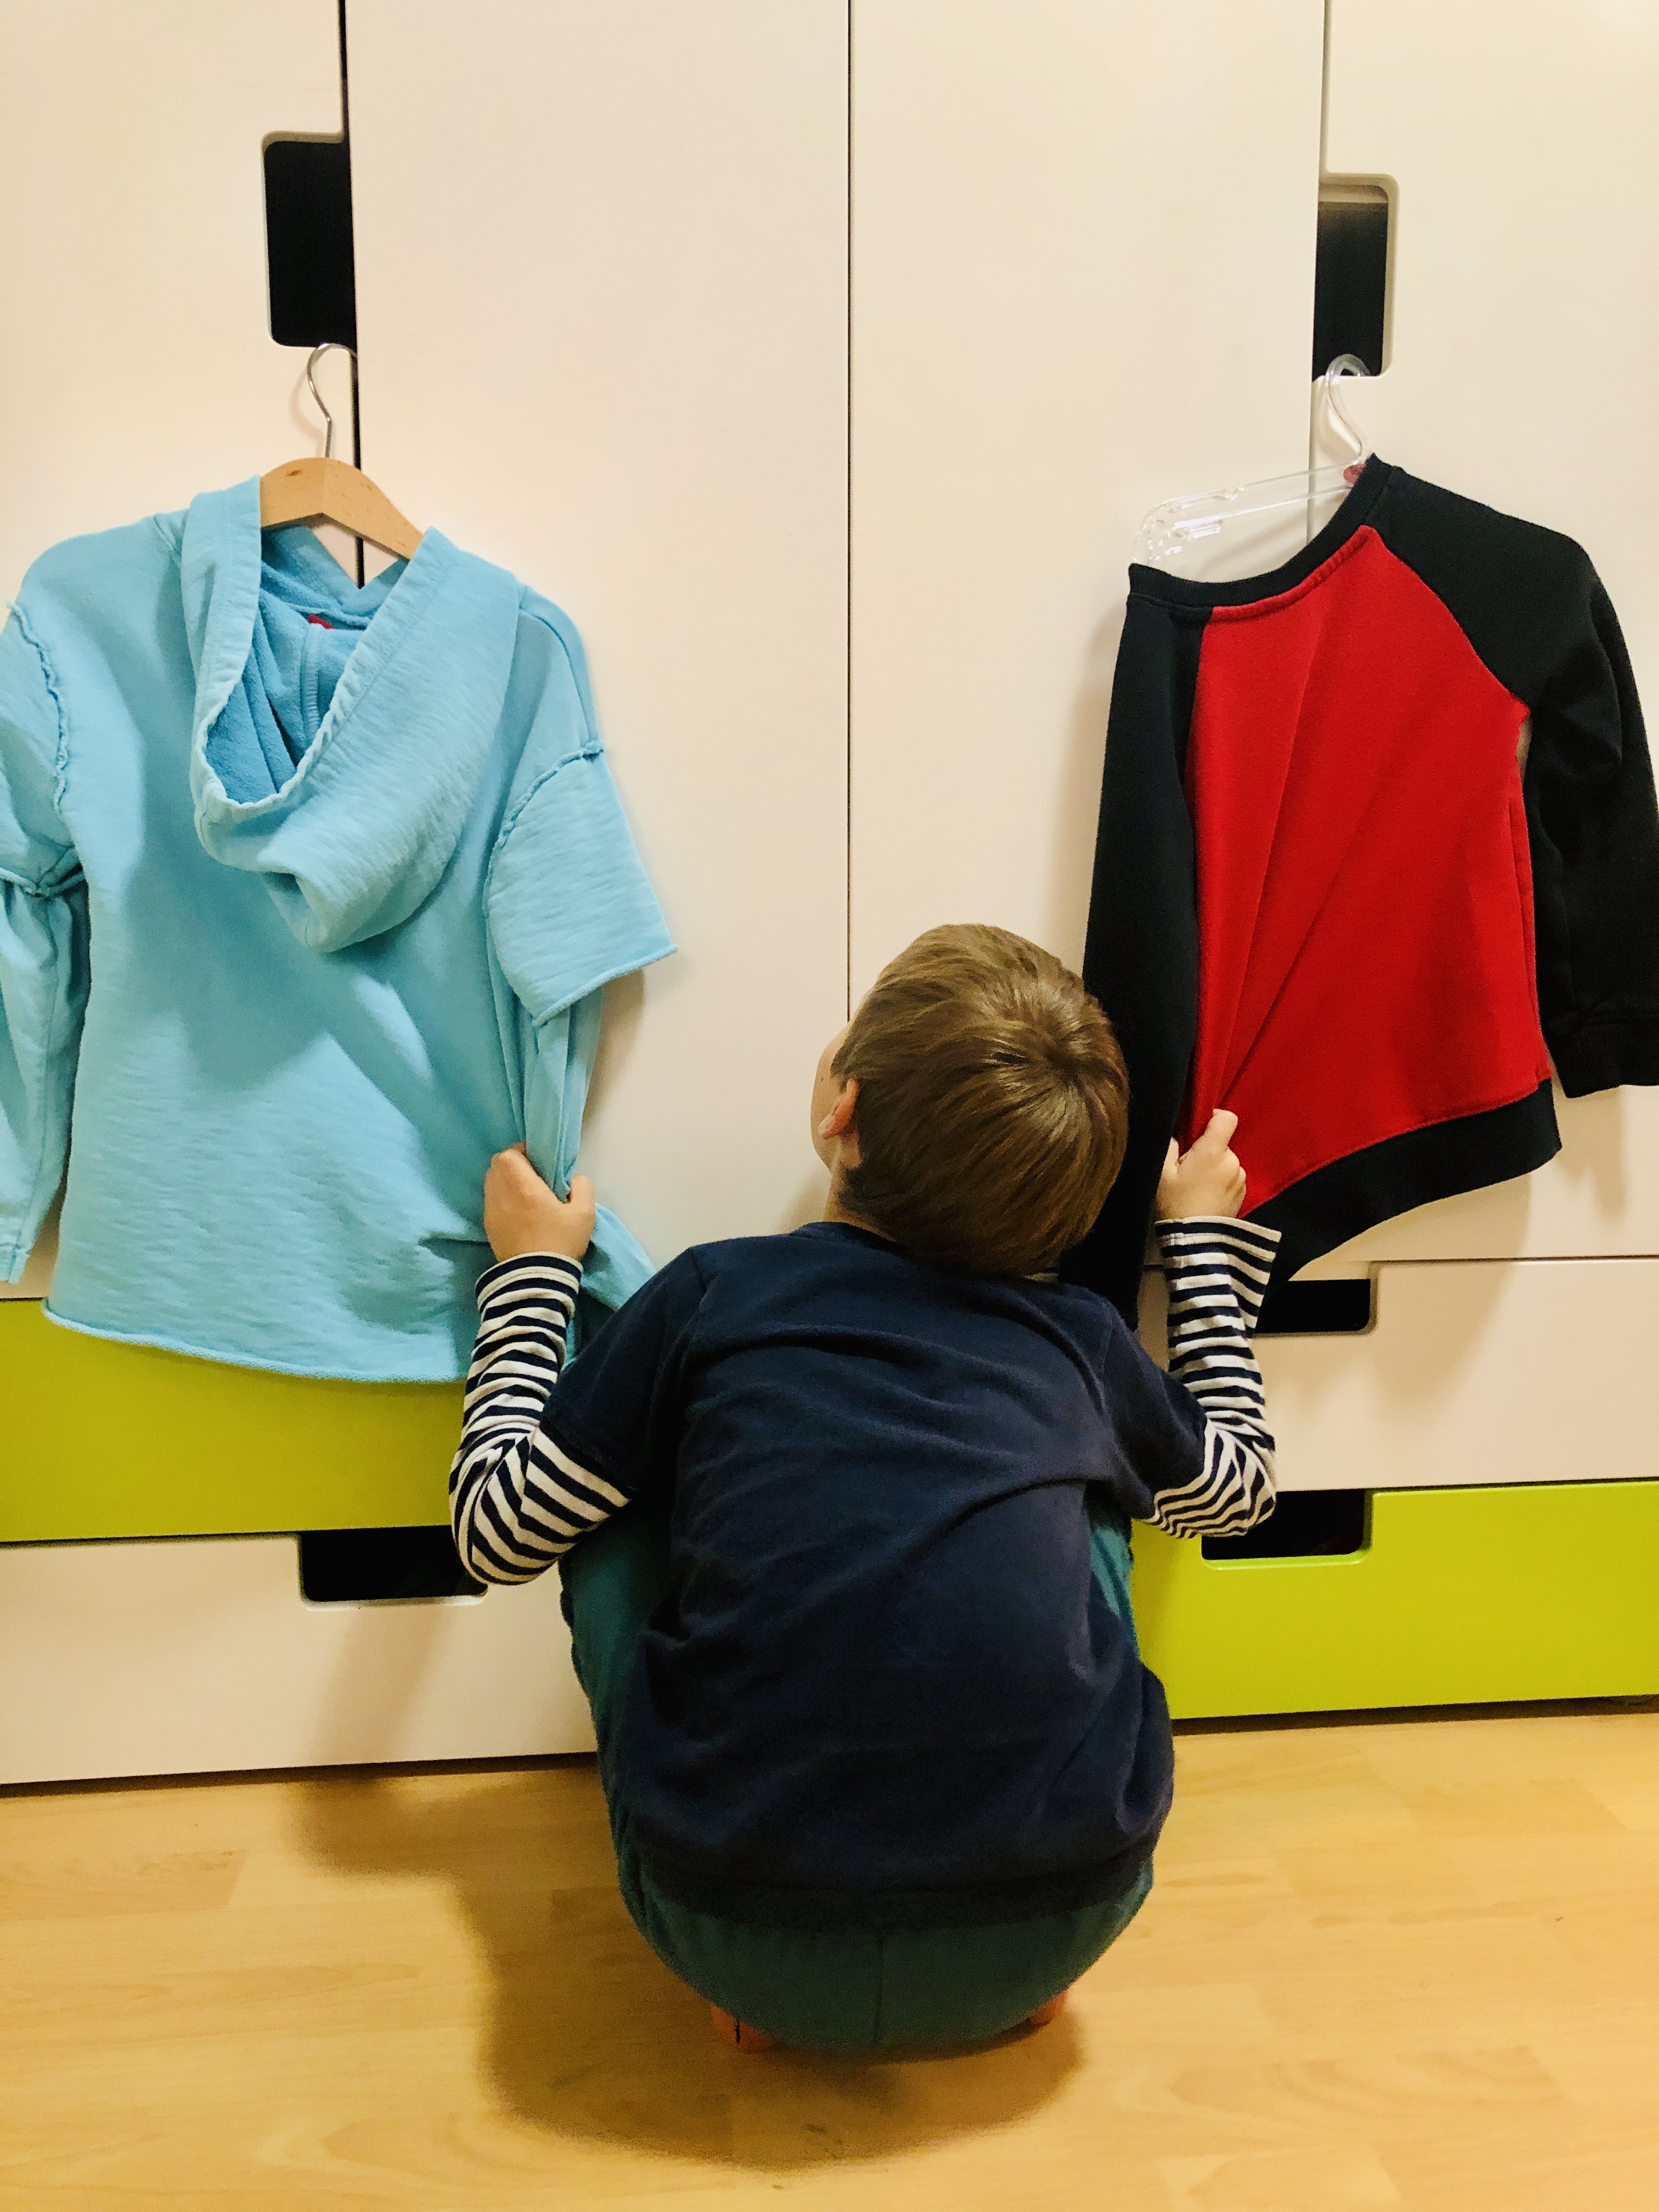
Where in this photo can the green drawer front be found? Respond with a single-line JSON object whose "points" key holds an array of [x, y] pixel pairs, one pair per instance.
{"points": [[117, 1440], [1461, 1597]]}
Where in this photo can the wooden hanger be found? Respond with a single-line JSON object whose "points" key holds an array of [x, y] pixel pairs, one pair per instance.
{"points": [[324, 489]]}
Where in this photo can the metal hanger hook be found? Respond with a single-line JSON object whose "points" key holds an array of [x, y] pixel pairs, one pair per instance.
{"points": [[339, 345], [1345, 364]]}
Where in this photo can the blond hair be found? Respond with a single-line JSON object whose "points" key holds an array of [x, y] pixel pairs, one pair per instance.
{"points": [[993, 1104]]}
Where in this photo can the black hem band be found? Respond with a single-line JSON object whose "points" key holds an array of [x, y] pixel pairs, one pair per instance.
{"points": [[1336, 1202]]}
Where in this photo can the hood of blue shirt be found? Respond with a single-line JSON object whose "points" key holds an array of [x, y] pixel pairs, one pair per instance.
{"points": [[338, 734]]}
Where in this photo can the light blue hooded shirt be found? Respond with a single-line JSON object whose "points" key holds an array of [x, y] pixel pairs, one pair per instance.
{"points": [[308, 894]]}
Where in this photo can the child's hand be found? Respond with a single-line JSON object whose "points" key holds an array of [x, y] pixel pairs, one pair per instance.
{"points": [[522, 1215], [1207, 1180]]}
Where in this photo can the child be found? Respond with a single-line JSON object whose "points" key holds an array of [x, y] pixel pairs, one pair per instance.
{"points": [[882, 1765]]}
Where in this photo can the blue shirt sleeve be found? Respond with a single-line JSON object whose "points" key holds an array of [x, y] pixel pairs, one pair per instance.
{"points": [[1158, 1427], [569, 904], [617, 1410], [549, 1452], [43, 951], [569, 908]]}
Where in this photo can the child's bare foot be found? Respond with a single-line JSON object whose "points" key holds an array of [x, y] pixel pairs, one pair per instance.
{"points": [[1045, 2013], [737, 2034]]}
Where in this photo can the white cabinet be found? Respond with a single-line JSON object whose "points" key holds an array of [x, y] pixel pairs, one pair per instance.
{"points": [[1475, 1372], [1083, 263], [194, 1657], [137, 367], [601, 263], [632, 327], [602, 314], [1524, 166]]}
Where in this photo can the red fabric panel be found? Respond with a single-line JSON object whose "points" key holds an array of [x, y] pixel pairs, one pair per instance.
{"points": [[1364, 885]]}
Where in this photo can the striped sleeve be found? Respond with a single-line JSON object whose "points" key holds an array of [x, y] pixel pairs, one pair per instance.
{"points": [[516, 1501], [1218, 1269]]}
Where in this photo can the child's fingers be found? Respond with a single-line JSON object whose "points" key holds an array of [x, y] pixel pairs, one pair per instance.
{"points": [[511, 1181], [581, 1193], [1217, 1135]]}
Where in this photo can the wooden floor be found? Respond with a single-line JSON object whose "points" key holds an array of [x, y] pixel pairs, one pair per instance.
{"points": [[1408, 1963]]}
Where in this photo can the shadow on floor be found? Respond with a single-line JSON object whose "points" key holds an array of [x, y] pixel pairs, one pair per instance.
{"points": [[591, 2037]]}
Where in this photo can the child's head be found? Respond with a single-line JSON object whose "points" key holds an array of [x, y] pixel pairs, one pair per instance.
{"points": [[991, 1108]]}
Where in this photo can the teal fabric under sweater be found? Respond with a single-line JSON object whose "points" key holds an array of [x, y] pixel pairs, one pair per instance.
{"points": [[818, 1991]]}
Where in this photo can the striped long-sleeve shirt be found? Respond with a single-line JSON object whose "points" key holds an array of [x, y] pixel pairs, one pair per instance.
{"points": [[516, 1501], [518, 1498], [1217, 1271]]}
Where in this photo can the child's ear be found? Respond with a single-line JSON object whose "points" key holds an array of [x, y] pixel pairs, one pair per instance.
{"points": [[839, 1120]]}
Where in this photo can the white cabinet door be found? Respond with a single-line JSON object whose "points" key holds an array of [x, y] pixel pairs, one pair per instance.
{"points": [[602, 309], [137, 365], [1522, 152], [1083, 262]]}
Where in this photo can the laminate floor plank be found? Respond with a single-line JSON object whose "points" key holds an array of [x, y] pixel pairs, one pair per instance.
{"points": [[1408, 1963]]}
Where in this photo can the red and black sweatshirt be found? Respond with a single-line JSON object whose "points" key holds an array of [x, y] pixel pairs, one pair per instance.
{"points": [[1377, 845]]}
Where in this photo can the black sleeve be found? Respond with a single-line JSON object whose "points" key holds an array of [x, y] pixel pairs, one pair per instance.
{"points": [[1594, 828], [1141, 957], [1534, 610]]}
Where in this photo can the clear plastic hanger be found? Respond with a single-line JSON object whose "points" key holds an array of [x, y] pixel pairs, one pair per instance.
{"points": [[1171, 532]]}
